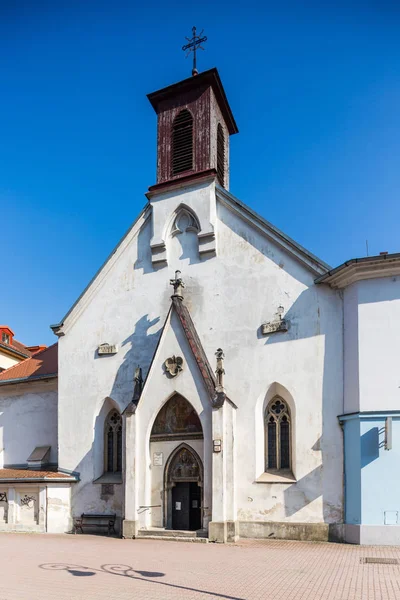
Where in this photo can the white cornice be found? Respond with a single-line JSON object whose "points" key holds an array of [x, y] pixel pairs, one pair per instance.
{"points": [[358, 269]]}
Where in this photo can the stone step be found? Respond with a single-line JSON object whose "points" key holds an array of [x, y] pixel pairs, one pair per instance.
{"points": [[171, 538], [159, 532]]}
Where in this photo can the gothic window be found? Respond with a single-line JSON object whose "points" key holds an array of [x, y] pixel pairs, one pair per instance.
{"points": [[277, 435], [221, 155], [113, 442], [182, 143], [185, 220]]}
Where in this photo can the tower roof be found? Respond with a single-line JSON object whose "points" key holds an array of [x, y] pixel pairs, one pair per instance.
{"points": [[207, 78]]}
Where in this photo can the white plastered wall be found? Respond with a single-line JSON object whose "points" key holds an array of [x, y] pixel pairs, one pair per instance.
{"points": [[7, 361], [379, 335], [28, 418], [229, 297]]}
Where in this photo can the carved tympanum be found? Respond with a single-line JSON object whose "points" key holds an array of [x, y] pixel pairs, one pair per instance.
{"points": [[177, 418], [184, 466]]}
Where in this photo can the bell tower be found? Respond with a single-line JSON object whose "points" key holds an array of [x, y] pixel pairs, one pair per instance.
{"points": [[194, 125]]}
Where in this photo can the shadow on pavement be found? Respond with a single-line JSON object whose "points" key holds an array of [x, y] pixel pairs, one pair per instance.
{"points": [[125, 571]]}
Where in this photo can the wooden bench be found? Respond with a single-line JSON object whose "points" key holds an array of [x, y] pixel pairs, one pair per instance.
{"points": [[95, 520]]}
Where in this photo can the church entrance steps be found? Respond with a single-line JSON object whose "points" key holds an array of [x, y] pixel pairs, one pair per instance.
{"points": [[157, 533]]}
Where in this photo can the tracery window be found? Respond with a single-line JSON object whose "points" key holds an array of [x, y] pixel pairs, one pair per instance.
{"points": [[113, 442], [277, 435], [182, 143]]}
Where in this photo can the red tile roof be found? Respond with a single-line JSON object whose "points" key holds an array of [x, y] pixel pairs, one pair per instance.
{"points": [[17, 347], [7, 474], [41, 365]]}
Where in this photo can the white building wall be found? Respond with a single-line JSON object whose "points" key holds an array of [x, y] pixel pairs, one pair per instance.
{"points": [[59, 508], [229, 297], [379, 335], [7, 361], [28, 418]]}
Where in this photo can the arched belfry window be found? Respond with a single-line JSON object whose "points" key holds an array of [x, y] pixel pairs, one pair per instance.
{"points": [[113, 442], [277, 435], [221, 155], [182, 143]]}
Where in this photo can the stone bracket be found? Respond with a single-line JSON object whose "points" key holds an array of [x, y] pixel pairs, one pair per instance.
{"points": [[274, 326]]}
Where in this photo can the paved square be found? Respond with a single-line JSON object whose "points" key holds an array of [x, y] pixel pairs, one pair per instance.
{"points": [[84, 567]]}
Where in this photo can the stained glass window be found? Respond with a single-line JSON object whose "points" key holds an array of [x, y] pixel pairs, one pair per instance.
{"points": [[113, 442], [278, 434]]}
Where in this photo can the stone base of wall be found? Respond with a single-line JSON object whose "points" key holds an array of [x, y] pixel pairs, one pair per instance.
{"points": [[21, 527], [373, 535], [222, 532], [315, 532], [129, 529]]}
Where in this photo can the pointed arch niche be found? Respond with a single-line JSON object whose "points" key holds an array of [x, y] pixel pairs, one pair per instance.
{"points": [[177, 474], [275, 436], [108, 443], [183, 235]]}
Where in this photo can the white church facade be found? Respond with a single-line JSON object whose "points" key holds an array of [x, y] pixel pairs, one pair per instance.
{"points": [[214, 377]]}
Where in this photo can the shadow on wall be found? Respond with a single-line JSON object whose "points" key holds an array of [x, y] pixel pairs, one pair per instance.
{"points": [[143, 260], [369, 446], [87, 497], [141, 351], [307, 319], [303, 492]]}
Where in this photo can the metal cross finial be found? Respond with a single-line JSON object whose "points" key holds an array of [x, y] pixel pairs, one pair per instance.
{"points": [[193, 45], [178, 284]]}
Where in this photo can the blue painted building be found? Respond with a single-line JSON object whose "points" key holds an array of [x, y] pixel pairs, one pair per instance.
{"points": [[371, 398]]}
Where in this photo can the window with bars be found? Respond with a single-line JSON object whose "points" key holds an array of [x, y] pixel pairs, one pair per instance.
{"points": [[113, 443], [182, 143], [277, 435], [221, 155]]}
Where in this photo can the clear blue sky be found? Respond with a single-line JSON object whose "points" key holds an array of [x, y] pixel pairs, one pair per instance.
{"points": [[315, 90]]}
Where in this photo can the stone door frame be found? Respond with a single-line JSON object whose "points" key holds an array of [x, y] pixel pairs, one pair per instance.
{"points": [[170, 482]]}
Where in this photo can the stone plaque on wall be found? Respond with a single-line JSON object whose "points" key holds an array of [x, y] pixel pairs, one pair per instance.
{"points": [[158, 459], [107, 349]]}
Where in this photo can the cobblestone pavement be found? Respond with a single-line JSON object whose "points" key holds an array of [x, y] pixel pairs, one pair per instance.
{"points": [[84, 567]]}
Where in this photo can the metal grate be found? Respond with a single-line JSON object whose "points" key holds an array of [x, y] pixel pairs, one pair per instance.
{"points": [[373, 560], [220, 155], [182, 143]]}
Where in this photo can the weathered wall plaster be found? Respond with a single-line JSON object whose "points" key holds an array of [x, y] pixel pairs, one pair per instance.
{"points": [[229, 296]]}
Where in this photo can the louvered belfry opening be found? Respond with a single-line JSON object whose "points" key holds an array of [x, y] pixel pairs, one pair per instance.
{"points": [[182, 143], [221, 155]]}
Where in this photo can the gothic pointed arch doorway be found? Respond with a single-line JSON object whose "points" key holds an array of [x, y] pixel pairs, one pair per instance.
{"points": [[176, 441], [183, 485]]}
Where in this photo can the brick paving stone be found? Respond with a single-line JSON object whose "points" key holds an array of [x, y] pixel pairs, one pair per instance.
{"points": [[85, 567]]}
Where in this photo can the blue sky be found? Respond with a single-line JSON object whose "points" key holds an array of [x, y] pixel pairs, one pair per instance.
{"points": [[314, 87]]}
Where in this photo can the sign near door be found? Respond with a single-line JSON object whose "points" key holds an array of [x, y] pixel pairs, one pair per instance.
{"points": [[178, 505], [157, 459]]}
